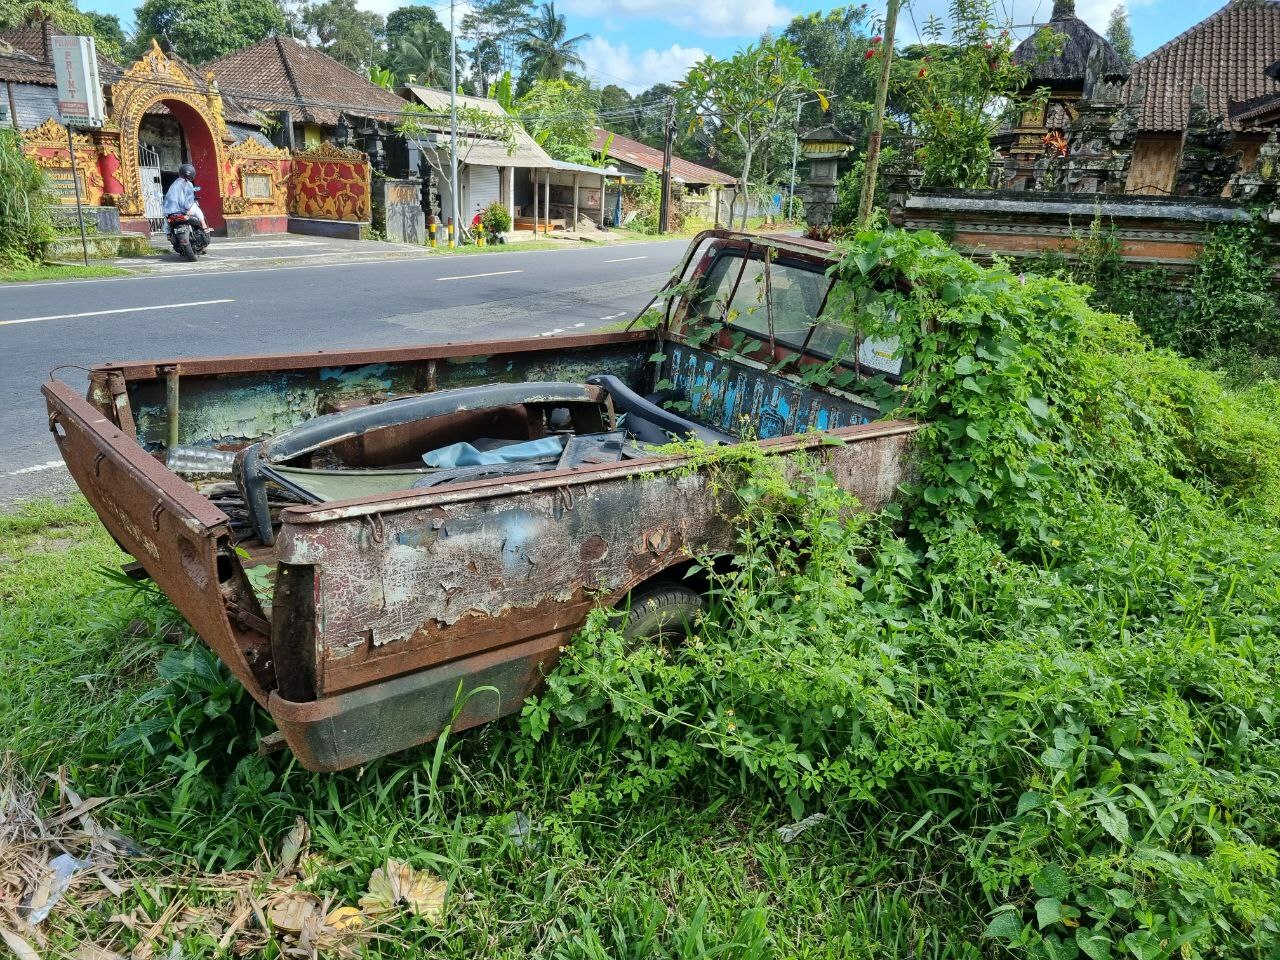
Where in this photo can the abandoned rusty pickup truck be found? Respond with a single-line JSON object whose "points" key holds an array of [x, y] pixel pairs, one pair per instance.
{"points": [[364, 536]]}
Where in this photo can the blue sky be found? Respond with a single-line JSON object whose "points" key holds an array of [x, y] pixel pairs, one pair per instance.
{"points": [[637, 43]]}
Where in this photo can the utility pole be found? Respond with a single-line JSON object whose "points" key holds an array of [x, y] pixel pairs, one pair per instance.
{"points": [[867, 200], [456, 232], [666, 167]]}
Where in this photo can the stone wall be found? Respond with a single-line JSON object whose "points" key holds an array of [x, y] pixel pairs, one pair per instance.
{"points": [[1153, 231]]}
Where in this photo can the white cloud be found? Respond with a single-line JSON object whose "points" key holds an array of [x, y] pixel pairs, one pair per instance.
{"points": [[384, 7], [716, 18], [608, 63]]}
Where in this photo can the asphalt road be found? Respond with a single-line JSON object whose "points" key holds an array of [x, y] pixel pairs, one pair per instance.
{"points": [[292, 308]]}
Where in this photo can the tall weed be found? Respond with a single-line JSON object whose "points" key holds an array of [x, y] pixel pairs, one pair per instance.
{"points": [[1055, 666]]}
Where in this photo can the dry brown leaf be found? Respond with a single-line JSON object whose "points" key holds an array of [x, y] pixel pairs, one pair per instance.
{"points": [[291, 912], [90, 951], [398, 886], [112, 886], [294, 847], [21, 949]]}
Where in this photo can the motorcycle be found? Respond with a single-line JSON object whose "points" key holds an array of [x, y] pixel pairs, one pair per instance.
{"points": [[187, 234]]}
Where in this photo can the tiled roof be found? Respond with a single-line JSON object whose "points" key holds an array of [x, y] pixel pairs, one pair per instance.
{"points": [[25, 55], [292, 76], [1227, 54], [20, 67], [626, 150]]}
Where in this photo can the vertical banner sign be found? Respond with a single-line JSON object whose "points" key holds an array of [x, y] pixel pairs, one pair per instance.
{"points": [[75, 66]]}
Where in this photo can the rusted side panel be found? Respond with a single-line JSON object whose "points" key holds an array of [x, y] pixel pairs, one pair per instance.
{"points": [[405, 583], [168, 527]]}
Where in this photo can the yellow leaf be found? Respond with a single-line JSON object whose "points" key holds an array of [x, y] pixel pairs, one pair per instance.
{"points": [[345, 918], [823, 101], [398, 886]]}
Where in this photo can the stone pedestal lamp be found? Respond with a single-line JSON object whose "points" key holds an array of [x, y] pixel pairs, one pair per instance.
{"points": [[823, 148]]}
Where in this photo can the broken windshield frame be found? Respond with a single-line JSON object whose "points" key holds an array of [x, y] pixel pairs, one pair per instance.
{"points": [[786, 307]]}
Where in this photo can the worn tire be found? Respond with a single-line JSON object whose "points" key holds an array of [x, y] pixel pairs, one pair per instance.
{"points": [[663, 612], [185, 249]]}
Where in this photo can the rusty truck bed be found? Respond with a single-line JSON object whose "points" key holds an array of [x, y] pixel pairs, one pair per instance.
{"points": [[359, 623]]}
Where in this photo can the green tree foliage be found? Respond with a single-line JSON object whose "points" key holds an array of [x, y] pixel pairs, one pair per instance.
{"points": [[546, 48], [345, 32], [25, 227], [109, 35], [614, 98], [750, 97], [494, 28], [1120, 36], [104, 28], [561, 116], [1052, 666], [834, 46], [422, 55], [203, 30], [957, 92]]}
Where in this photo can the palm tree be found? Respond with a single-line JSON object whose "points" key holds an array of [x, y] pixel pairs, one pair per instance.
{"points": [[422, 58], [547, 52]]}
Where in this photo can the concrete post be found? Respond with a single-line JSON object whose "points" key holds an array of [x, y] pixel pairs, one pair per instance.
{"points": [[575, 201], [546, 200], [511, 195], [533, 173]]}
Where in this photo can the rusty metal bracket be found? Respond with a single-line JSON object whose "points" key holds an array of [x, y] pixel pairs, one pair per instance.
{"points": [[248, 620], [171, 378]]}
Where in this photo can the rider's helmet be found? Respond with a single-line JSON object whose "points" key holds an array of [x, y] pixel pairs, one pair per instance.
{"points": [[187, 171]]}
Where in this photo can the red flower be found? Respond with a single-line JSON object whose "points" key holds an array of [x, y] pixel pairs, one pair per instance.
{"points": [[987, 45], [869, 55], [923, 71], [877, 39]]}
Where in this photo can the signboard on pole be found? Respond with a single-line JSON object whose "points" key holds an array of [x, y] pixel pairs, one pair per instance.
{"points": [[75, 66]]}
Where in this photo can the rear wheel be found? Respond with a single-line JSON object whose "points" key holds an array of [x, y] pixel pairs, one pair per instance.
{"points": [[183, 242], [662, 612]]}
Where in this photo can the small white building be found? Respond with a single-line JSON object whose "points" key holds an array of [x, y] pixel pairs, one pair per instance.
{"points": [[542, 194]]}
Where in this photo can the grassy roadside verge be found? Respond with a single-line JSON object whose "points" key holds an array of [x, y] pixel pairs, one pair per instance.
{"points": [[529, 874], [59, 271], [1034, 717]]}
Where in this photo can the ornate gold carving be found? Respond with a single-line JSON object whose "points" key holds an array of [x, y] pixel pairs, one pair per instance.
{"points": [[153, 79], [250, 149], [53, 134]]}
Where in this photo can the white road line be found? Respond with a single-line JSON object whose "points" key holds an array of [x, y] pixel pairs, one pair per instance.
{"points": [[102, 313], [355, 262], [625, 259], [614, 316], [579, 325], [475, 276], [38, 468]]}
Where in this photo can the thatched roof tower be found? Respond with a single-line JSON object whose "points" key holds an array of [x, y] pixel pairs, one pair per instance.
{"points": [[1068, 69]]}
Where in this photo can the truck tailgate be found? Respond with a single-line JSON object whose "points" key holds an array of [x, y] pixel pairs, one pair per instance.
{"points": [[166, 525]]}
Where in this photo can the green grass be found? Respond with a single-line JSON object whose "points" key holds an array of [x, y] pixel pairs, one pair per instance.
{"points": [[58, 271], [685, 876], [1047, 689]]}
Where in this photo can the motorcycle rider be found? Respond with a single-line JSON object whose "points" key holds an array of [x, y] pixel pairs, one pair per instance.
{"points": [[180, 198]]}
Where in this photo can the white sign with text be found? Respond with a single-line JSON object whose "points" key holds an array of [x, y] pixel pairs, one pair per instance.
{"points": [[75, 65]]}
